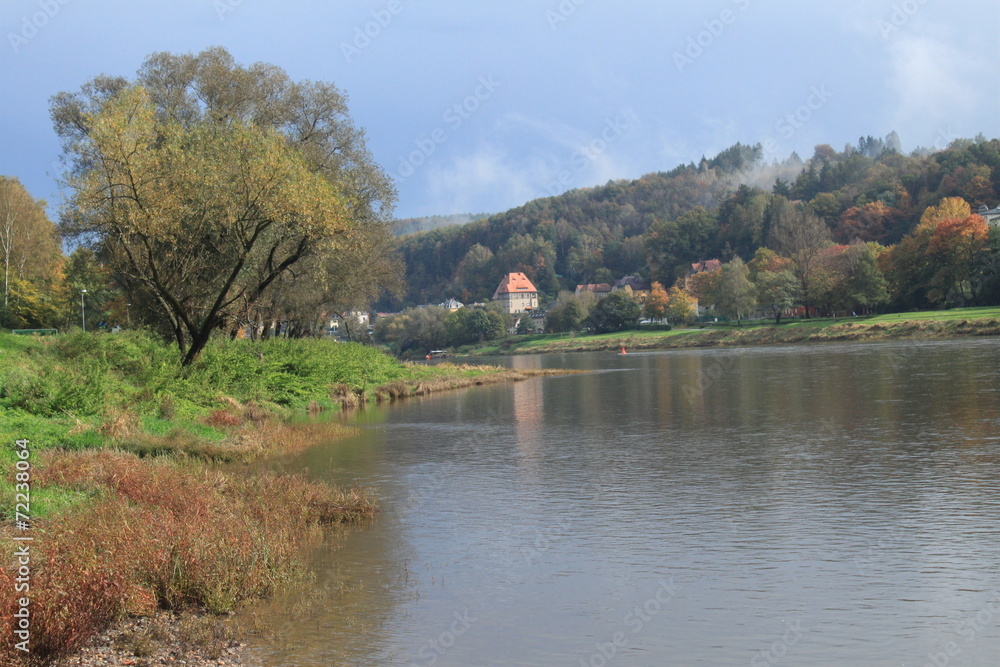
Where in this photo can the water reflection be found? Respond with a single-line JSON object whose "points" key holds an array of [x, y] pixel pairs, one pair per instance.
{"points": [[834, 505]]}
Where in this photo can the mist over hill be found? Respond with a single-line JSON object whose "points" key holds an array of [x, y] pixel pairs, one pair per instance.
{"points": [[405, 226], [722, 207]]}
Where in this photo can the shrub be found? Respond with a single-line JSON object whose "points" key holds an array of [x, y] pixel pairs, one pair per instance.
{"points": [[182, 535]]}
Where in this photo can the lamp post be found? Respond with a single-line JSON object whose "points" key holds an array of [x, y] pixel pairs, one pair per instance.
{"points": [[83, 311], [128, 314]]}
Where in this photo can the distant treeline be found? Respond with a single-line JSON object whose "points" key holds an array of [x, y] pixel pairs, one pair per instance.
{"points": [[725, 207]]}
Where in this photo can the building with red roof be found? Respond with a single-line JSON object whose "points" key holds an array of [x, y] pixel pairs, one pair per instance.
{"points": [[517, 294]]}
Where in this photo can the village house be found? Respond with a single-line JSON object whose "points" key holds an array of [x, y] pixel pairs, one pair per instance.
{"points": [[451, 305], [517, 294], [634, 286], [705, 266], [992, 215], [355, 321], [599, 290]]}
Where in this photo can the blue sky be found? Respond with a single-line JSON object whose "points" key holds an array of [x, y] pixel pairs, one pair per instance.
{"points": [[481, 106]]}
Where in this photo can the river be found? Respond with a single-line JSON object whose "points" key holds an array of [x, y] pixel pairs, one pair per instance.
{"points": [[805, 505]]}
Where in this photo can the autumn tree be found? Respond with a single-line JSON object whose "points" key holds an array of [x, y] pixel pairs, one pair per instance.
{"points": [[777, 290], [941, 260], [866, 287], [864, 223], [304, 297], [735, 295], [657, 303], [703, 285], [204, 183], [32, 258], [955, 249], [680, 306], [800, 236]]}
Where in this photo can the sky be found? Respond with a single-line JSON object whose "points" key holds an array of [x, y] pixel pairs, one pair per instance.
{"points": [[477, 107]]}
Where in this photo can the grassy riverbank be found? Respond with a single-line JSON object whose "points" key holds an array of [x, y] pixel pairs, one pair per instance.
{"points": [[131, 510], [930, 324]]}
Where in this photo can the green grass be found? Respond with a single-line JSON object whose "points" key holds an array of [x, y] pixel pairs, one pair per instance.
{"points": [[940, 315], [756, 332], [73, 378], [81, 391]]}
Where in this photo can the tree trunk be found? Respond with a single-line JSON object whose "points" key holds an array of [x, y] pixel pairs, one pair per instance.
{"points": [[198, 343]]}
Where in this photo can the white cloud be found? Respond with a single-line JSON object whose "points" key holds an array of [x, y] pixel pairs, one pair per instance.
{"points": [[485, 179], [933, 86], [562, 158]]}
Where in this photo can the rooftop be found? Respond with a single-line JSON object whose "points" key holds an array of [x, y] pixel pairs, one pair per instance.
{"points": [[515, 283]]}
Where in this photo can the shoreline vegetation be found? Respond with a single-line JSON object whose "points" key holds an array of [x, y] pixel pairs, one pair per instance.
{"points": [[928, 325], [150, 531], [143, 513]]}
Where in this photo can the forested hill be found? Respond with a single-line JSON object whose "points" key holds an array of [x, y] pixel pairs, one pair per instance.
{"points": [[720, 208]]}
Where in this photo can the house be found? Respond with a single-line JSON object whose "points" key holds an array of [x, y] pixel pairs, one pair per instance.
{"points": [[517, 294], [452, 305], [634, 286], [599, 290], [355, 321], [992, 215], [705, 266]]}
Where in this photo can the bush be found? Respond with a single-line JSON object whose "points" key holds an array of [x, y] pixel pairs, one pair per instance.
{"points": [[165, 534], [616, 312]]}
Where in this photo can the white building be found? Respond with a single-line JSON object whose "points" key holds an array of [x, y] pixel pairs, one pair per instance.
{"points": [[517, 294]]}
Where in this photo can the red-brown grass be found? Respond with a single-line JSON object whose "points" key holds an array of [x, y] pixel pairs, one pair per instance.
{"points": [[160, 533], [119, 424], [223, 419]]}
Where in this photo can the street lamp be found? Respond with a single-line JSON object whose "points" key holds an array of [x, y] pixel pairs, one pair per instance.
{"points": [[83, 311]]}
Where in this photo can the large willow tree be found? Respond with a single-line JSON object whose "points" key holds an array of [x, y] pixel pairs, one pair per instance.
{"points": [[204, 184]]}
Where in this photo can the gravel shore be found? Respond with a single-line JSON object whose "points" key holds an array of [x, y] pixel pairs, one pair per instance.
{"points": [[163, 639]]}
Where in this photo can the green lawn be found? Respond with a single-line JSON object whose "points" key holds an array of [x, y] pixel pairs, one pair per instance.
{"points": [[558, 342], [940, 315]]}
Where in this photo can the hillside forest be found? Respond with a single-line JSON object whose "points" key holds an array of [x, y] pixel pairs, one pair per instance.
{"points": [[906, 225]]}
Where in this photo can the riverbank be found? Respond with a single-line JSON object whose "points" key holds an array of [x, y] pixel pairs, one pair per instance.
{"points": [[958, 323], [136, 505]]}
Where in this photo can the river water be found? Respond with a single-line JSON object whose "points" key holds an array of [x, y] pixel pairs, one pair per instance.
{"points": [[805, 505]]}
